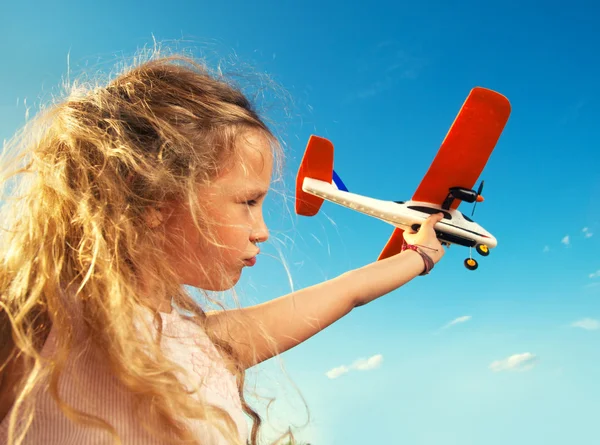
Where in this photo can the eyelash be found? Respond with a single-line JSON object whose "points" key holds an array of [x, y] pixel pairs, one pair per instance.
{"points": [[251, 203]]}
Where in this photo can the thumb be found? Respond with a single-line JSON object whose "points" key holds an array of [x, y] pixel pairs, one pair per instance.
{"points": [[435, 218]]}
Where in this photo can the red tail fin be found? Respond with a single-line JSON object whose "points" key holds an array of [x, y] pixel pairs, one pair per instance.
{"points": [[317, 163]]}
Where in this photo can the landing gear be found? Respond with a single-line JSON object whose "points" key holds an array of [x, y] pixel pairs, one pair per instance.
{"points": [[471, 264], [482, 249]]}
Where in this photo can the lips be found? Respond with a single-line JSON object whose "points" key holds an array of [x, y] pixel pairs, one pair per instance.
{"points": [[250, 261]]}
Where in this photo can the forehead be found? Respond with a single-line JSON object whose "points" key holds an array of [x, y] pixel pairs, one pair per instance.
{"points": [[251, 162]]}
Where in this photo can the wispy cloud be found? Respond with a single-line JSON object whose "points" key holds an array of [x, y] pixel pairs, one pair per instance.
{"points": [[589, 324], [384, 66], [367, 364], [361, 364], [595, 274], [572, 113], [566, 240], [458, 320], [336, 372], [516, 362], [374, 89]]}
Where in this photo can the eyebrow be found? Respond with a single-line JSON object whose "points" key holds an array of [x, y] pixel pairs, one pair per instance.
{"points": [[255, 193], [259, 193]]}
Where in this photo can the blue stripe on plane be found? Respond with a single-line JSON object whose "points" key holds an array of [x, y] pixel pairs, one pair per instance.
{"points": [[338, 182]]}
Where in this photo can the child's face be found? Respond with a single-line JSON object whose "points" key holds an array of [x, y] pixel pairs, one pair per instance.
{"points": [[234, 202]]}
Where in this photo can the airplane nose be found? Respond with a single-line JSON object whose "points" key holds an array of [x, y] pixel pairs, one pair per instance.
{"points": [[479, 198]]}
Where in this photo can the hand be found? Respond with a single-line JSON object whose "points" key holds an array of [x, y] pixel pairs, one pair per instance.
{"points": [[426, 239]]}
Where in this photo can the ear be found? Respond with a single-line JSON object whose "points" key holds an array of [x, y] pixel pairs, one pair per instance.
{"points": [[153, 217]]}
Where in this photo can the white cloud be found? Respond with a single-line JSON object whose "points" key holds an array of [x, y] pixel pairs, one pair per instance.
{"points": [[366, 364], [565, 240], [361, 364], [336, 372], [516, 362], [587, 232], [458, 320], [588, 324], [546, 249], [595, 274]]}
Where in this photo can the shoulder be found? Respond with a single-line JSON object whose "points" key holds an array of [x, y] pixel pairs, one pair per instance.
{"points": [[188, 345], [185, 332]]}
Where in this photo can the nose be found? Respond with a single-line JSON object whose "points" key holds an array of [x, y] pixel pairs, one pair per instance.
{"points": [[260, 236], [261, 233]]}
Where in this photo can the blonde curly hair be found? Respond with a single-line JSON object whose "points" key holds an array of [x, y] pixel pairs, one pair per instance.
{"points": [[75, 245]]}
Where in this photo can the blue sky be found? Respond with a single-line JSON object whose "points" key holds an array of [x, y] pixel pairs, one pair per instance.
{"points": [[384, 82]]}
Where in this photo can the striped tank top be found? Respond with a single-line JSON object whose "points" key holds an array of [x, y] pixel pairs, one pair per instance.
{"points": [[88, 385]]}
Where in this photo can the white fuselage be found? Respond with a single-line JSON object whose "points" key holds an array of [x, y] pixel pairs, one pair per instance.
{"points": [[455, 228]]}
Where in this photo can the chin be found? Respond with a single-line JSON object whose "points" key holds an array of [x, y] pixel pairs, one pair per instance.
{"points": [[219, 286]]}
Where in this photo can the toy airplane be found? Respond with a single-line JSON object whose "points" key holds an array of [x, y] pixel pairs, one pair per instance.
{"points": [[449, 180]]}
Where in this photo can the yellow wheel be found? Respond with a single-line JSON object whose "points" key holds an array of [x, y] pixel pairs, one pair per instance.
{"points": [[471, 264], [482, 249]]}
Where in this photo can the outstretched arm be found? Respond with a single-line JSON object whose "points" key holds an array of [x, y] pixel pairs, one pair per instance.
{"points": [[260, 332]]}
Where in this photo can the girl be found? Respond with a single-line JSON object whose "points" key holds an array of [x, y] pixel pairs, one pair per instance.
{"points": [[126, 194]]}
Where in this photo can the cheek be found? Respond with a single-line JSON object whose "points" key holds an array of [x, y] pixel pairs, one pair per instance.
{"points": [[182, 241], [231, 228], [234, 237], [233, 224]]}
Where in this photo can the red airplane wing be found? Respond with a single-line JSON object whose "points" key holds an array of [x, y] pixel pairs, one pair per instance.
{"points": [[467, 146], [394, 244], [463, 154]]}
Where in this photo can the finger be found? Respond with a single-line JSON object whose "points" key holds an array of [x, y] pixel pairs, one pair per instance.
{"points": [[435, 218]]}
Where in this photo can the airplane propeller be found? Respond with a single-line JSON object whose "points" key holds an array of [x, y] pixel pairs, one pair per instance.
{"points": [[479, 197]]}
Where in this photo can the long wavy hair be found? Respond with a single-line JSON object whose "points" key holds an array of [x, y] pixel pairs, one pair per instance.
{"points": [[75, 246]]}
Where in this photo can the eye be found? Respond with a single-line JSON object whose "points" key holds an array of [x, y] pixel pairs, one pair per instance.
{"points": [[252, 199]]}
